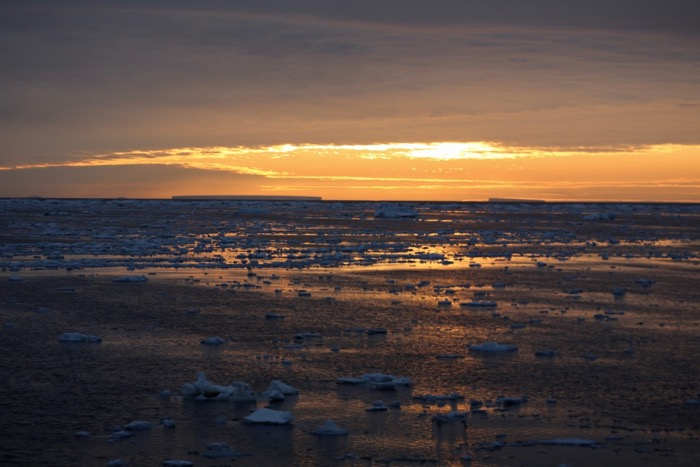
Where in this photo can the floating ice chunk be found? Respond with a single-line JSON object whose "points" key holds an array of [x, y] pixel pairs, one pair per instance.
{"points": [[377, 381], [450, 417], [330, 428], [213, 341], [220, 449], [273, 316], [377, 406], [138, 425], [81, 434], [568, 442], [511, 400], [479, 304], [177, 463], [121, 434], [167, 422], [435, 399], [492, 347], [545, 353], [202, 389], [308, 335], [15, 278], [395, 212], [645, 282], [269, 417], [377, 331], [448, 356], [277, 386], [130, 279], [600, 216], [117, 463], [71, 337]]}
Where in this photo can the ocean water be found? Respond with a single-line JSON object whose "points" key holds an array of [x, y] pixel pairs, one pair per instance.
{"points": [[295, 289]]}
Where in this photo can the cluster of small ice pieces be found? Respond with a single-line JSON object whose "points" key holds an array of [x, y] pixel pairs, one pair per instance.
{"points": [[169, 244], [238, 391], [377, 381], [202, 389]]}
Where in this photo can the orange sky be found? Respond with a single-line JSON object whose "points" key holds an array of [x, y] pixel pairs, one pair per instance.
{"points": [[435, 171], [439, 100]]}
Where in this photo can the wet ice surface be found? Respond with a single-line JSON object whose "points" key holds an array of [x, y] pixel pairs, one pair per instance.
{"points": [[601, 302]]}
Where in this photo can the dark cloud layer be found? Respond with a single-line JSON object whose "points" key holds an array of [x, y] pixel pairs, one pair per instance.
{"points": [[85, 77]]}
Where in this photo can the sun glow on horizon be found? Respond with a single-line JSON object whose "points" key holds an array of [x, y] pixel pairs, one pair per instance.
{"points": [[446, 170]]}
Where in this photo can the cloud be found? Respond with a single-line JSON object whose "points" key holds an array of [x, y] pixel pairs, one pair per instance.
{"points": [[83, 77], [134, 181]]}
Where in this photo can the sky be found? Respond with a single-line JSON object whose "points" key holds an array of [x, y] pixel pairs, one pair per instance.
{"points": [[361, 100]]}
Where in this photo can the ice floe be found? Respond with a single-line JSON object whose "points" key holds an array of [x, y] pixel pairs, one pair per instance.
{"points": [[395, 212], [567, 442], [492, 347], [131, 279], [507, 401], [77, 337], [438, 398], [279, 390], [220, 449], [138, 425], [330, 428], [479, 304], [377, 406], [212, 341], [267, 416], [451, 417], [202, 389], [377, 381]]}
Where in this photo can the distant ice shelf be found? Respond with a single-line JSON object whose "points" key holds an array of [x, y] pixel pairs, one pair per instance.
{"points": [[245, 198]]}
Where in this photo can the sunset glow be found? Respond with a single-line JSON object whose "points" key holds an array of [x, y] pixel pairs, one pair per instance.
{"points": [[406, 100], [440, 171]]}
